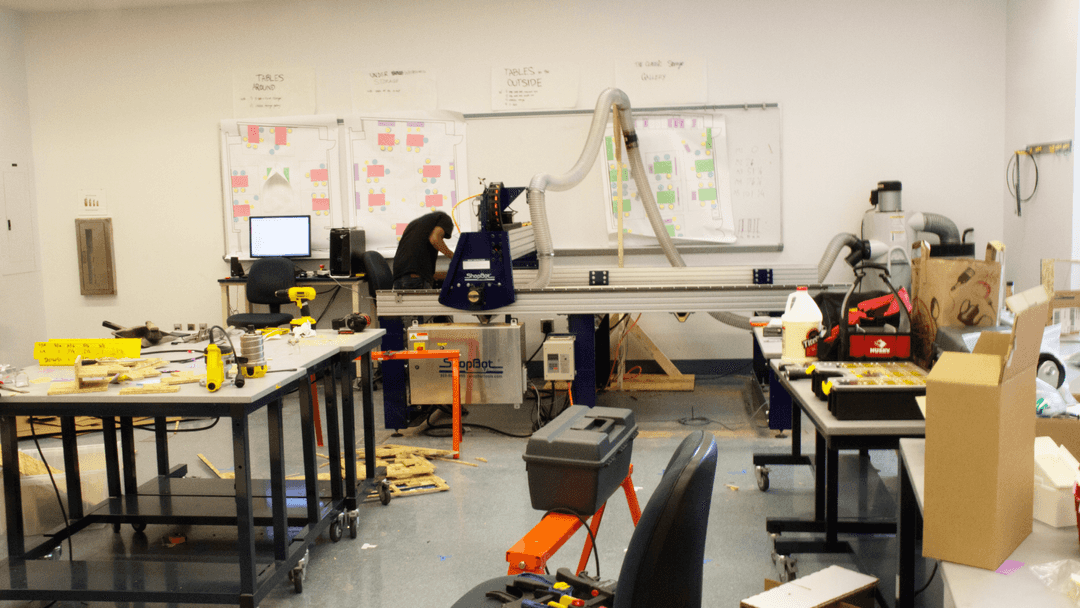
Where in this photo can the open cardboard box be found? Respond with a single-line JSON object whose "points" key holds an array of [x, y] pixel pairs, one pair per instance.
{"points": [[952, 292], [980, 428]]}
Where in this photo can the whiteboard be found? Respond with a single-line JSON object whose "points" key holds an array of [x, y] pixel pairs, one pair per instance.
{"points": [[400, 167], [280, 166], [512, 147]]}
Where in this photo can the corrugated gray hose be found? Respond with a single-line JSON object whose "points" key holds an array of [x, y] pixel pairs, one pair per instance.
{"points": [[542, 182]]}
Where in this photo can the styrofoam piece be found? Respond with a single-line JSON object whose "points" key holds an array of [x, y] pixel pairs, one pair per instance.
{"points": [[1054, 463], [1054, 506], [817, 589]]}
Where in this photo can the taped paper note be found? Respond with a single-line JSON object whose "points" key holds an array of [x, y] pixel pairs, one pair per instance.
{"points": [[534, 87], [662, 81]]}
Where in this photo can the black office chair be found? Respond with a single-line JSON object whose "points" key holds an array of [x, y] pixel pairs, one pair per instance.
{"points": [[663, 565], [266, 277], [377, 272]]}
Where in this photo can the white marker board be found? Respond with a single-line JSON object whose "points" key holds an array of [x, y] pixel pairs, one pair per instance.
{"points": [[512, 148]]}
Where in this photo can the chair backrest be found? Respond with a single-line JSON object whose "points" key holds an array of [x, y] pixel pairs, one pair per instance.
{"points": [[268, 275], [663, 564], [377, 272]]}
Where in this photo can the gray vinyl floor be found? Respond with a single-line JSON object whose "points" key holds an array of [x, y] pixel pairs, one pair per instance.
{"points": [[425, 551]]}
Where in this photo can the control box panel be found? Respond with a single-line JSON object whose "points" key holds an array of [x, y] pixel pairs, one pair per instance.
{"points": [[559, 357]]}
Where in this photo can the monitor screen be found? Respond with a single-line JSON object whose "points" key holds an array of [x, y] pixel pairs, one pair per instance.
{"points": [[287, 236]]}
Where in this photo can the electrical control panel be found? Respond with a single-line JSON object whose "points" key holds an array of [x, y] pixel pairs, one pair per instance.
{"points": [[559, 357]]}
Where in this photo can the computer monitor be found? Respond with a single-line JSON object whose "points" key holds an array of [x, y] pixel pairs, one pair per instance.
{"points": [[287, 236]]}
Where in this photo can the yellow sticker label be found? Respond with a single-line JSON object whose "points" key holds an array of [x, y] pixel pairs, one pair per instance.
{"points": [[826, 387], [64, 352]]}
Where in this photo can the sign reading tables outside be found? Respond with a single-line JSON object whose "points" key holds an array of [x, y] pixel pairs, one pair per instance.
{"points": [[534, 87], [64, 352]]}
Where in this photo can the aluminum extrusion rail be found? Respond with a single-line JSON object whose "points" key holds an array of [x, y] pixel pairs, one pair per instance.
{"points": [[600, 300]]}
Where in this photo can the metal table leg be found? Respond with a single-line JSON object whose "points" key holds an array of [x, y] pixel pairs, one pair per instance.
{"points": [[907, 524], [276, 438], [245, 518], [9, 444], [307, 433]]}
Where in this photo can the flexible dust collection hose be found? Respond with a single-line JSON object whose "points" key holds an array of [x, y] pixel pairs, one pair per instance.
{"points": [[542, 182], [832, 250]]}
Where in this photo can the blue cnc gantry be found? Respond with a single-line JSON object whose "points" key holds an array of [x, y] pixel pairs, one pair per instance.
{"points": [[480, 276]]}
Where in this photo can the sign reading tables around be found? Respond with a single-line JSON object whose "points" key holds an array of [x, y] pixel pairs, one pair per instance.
{"points": [[662, 81], [394, 89], [274, 93], [534, 87], [64, 352]]}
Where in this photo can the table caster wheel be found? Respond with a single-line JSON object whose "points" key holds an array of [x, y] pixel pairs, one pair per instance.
{"points": [[787, 566], [139, 527], [354, 523], [384, 491], [296, 575], [762, 475], [337, 528], [56, 553]]}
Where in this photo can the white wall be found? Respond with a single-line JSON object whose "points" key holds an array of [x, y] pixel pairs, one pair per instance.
{"points": [[129, 101], [1040, 107], [22, 295]]}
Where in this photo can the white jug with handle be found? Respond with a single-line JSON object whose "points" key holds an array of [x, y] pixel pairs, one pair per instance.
{"points": [[801, 317]]}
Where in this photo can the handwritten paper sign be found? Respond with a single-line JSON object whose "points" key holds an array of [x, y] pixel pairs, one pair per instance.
{"points": [[534, 87], [662, 81], [394, 89], [273, 93], [64, 352]]}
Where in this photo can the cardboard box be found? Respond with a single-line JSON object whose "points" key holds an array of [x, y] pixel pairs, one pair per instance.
{"points": [[1064, 305], [833, 587], [980, 429], [952, 292]]}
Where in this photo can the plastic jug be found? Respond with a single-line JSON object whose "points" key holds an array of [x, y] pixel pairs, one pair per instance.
{"points": [[801, 317]]}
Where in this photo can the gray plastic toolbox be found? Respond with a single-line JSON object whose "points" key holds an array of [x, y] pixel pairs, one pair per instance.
{"points": [[579, 459]]}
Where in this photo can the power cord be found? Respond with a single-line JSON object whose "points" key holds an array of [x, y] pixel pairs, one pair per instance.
{"points": [[928, 581], [1014, 185], [442, 408], [584, 524]]}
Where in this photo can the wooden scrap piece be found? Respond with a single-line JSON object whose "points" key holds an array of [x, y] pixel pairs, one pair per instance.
{"points": [[385, 450], [149, 389], [413, 486], [72, 387], [182, 377], [220, 475]]}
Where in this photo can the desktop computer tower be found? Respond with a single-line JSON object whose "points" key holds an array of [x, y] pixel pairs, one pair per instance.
{"points": [[346, 251]]}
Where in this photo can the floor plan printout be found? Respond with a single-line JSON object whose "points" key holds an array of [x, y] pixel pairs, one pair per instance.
{"points": [[400, 168], [686, 159], [280, 166]]}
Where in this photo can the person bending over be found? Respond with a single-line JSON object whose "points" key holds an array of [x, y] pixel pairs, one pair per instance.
{"points": [[419, 247]]}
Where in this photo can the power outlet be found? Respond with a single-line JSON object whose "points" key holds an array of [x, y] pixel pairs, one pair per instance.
{"points": [[177, 326], [191, 327], [547, 326]]}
